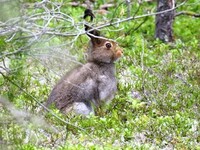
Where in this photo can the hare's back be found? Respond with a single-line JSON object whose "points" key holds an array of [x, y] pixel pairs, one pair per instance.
{"points": [[77, 85]]}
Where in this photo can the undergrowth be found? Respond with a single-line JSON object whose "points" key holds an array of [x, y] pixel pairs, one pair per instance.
{"points": [[156, 106]]}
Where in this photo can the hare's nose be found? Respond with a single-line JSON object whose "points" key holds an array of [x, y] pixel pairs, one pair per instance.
{"points": [[120, 49]]}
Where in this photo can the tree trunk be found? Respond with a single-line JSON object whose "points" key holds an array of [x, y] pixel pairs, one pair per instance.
{"points": [[164, 21]]}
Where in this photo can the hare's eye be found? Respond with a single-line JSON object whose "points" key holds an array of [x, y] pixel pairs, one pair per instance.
{"points": [[108, 45]]}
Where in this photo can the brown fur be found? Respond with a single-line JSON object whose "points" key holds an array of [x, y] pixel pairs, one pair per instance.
{"points": [[90, 84]]}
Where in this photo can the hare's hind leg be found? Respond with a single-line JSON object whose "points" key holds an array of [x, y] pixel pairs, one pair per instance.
{"points": [[83, 108]]}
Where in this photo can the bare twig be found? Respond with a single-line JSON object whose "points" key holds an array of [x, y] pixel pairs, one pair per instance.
{"points": [[128, 3], [47, 109], [136, 17], [33, 30], [188, 13]]}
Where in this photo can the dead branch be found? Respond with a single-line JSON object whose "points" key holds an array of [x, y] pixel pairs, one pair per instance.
{"points": [[32, 29], [188, 13], [136, 17], [47, 109]]}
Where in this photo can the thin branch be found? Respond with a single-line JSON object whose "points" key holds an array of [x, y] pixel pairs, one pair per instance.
{"points": [[126, 19], [47, 109], [38, 32], [132, 18], [188, 13], [43, 31], [136, 28], [128, 3]]}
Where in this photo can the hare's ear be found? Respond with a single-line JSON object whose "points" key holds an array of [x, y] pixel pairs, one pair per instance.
{"points": [[88, 13], [93, 34]]}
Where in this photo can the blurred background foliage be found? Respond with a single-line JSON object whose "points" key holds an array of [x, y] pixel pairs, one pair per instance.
{"points": [[157, 104]]}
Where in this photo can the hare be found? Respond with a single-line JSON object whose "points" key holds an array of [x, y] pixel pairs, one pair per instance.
{"points": [[91, 84]]}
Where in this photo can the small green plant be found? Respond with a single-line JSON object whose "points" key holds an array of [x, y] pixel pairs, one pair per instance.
{"points": [[157, 103]]}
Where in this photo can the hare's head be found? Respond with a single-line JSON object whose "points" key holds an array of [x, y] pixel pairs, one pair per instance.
{"points": [[100, 50], [103, 50]]}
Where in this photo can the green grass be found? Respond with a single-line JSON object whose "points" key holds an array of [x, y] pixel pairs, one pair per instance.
{"points": [[156, 106]]}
